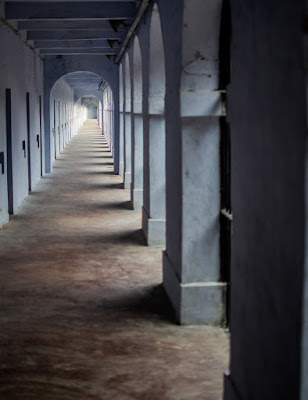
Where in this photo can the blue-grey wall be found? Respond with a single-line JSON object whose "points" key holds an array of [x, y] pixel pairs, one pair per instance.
{"points": [[22, 72]]}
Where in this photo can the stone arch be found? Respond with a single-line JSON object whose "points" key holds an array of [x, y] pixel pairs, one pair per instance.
{"points": [[66, 108], [98, 102], [57, 68]]}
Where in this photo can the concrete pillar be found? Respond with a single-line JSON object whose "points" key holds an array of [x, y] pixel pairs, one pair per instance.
{"points": [[127, 127], [192, 257], [137, 131], [154, 206], [121, 123], [112, 126], [48, 133]]}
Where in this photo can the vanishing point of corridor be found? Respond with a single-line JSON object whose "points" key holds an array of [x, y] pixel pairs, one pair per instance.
{"points": [[83, 315]]}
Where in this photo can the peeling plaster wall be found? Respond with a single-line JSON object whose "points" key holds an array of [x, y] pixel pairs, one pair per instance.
{"points": [[22, 72]]}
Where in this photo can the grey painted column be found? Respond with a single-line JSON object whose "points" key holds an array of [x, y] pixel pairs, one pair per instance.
{"points": [[127, 153], [137, 130], [127, 127], [47, 140], [121, 130], [137, 156], [154, 206], [192, 258]]}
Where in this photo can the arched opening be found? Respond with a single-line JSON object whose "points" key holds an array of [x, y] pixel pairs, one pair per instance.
{"points": [[74, 98], [90, 100], [154, 206]]}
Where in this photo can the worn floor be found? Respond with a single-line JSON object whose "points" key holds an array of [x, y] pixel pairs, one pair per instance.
{"points": [[82, 312]]}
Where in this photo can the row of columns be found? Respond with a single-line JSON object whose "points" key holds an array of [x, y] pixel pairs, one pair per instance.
{"points": [[187, 189], [108, 117]]}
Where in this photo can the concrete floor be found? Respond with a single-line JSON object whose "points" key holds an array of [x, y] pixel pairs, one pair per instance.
{"points": [[83, 315]]}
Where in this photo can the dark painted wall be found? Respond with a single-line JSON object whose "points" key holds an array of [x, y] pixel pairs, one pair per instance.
{"points": [[266, 103]]}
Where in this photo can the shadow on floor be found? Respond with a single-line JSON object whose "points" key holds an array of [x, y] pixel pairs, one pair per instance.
{"points": [[98, 164], [149, 301], [102, 186], [127, 238], [97, 172], [126, 205]]}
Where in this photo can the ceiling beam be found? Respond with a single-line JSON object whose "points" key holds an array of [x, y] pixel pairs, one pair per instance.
{"points": [[73, 44], [70, 10], [66, 24], [139, 14], [74, 34], [78, 51]]}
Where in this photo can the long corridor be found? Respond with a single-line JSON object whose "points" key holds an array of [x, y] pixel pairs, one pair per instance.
{"points": [[83, 314]]}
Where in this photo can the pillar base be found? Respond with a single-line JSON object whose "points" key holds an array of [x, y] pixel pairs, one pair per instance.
{"points": [[230, 392], [195, 303], [121, 168], [137, 198], [154, 229], [127, 180]]}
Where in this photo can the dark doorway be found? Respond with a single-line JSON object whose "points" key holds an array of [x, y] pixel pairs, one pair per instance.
{"points": [[8, 105], [29, 141]]}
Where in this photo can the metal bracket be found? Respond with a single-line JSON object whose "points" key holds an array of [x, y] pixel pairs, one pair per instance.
{"points": [[24, 148]]}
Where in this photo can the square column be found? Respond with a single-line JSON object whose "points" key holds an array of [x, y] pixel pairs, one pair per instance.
{"points": [[154, 211], [127, 151], [137, 161], [192, 281], [121, 144]]}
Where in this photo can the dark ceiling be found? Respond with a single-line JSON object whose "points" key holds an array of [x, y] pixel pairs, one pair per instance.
{"points": [[73, 27]]}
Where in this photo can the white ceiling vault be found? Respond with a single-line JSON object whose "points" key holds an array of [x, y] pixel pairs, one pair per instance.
{"points": [[74, 27]]}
